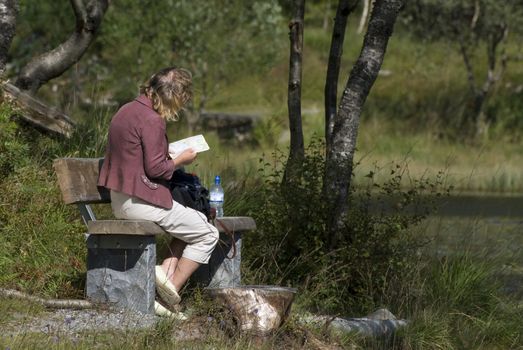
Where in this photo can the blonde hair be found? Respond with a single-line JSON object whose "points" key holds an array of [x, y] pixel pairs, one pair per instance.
{"points": [[169, 90]]}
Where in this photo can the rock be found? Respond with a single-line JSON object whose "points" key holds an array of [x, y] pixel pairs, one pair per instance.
{"points": [[229, 126], [382, 314]]}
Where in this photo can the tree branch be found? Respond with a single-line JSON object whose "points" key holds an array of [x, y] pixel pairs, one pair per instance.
{"points": [[468, 65], [345, 8], [49, 303], [496, 38], [52, 64], [364, 15], [475, 17], [36, 112], [80, 13]]}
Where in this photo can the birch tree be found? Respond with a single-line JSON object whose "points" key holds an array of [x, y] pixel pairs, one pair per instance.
{"points": [[8, 12], [342, 139], [341, 121], [364, 15], [344, 9], [297, 151], [471, 27]]}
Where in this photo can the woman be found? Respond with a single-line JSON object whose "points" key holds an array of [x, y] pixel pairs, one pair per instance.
{"points": [[137, 168]]}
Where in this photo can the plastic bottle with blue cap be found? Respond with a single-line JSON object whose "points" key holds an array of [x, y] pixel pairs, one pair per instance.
{"points": [[216, 197]]}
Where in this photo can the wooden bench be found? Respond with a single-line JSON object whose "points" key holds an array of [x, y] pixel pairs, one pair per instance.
{"points": [[121, 254]]}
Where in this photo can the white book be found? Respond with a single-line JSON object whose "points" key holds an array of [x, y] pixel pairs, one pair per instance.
{"points": [[197, 143]]}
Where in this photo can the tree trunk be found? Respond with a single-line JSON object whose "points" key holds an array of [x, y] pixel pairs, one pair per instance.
{"points": [[296, 152], [8, 13], [345, 7], [41, 69], [343, 139], [493, 75], [474, 120], [364, 15], [326, 16]]}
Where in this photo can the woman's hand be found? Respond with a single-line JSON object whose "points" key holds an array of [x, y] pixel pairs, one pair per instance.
{"points": [[185, 158]]}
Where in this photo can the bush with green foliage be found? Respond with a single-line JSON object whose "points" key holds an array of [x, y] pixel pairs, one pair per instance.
{"points": [[378, 249], [43, 249]]}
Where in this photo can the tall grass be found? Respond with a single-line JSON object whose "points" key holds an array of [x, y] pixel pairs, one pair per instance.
{"points": [[462, 307], [42, 244], [460, 283], [489, 167]]}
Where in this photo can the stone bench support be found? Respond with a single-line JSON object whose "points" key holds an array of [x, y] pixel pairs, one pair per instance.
{"points": [[120, 271]]}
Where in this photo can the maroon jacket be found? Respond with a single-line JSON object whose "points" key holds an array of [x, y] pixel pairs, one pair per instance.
{"points": [[136, 159]]}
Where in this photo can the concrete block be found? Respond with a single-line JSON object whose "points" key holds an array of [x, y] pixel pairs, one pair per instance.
{"points": [[221, 271], [120, 271]]}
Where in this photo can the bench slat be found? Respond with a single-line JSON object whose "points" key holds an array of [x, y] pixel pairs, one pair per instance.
{"points": [[236, 223], [149, 228], [124, 227]]}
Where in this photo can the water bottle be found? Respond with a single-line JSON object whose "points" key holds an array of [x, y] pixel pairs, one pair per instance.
{"points": [[216, 196]]}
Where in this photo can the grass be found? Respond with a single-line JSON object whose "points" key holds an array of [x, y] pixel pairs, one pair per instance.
{"points": [[473, 285], [492, 240], [454, 308], [489, 167], [42, 243], [201, 332], [155, 339]]}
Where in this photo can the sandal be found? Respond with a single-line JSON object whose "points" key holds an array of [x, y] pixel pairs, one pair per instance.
{"points": [[165, 288]]}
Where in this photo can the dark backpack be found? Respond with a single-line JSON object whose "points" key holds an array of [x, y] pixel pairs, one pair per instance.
{"points": [[187, 190]]}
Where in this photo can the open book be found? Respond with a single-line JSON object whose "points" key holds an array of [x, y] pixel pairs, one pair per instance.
{"points": [[197, 143]]}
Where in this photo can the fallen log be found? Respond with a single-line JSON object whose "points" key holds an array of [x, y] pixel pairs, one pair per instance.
{"points": [[34, 111], [378, 324], [49, 303]]}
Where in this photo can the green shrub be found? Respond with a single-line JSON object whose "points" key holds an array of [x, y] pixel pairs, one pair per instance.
{"points": [[88, 139], [378, 250]]}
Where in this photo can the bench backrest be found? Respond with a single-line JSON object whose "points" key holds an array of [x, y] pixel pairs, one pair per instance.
{"points": [[77, 178]]}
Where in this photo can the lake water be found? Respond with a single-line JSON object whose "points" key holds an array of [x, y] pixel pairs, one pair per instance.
{"points": [[485, 206], [487, 226]]}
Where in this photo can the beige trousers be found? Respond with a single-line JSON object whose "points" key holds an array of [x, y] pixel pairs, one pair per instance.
{"points": [[184, 223]]}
